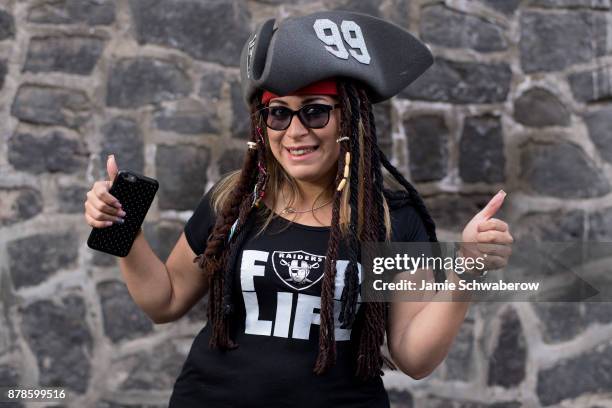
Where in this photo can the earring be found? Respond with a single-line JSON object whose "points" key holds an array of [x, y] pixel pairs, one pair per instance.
{"points": [[347, 162]]}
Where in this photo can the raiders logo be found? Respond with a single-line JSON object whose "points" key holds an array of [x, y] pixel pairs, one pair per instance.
{"points": [[298, 269]]}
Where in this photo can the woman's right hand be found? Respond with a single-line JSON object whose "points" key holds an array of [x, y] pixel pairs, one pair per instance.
{"points": [[101, 208]]}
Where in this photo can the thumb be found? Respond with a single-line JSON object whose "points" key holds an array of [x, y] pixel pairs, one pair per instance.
{"points": [[111, 167], [492, 206]]}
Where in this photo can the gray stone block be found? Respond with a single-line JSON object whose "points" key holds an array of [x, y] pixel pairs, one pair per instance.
{"points": [[3, 72], [19, 204], [481, 150], [459, 361], [507, 364], [7, 25], [91, 12], [123, 138], [454, 29], [45, 105], [588, 373], [181, 171], [123, 319], [213, 31], [53, 153], [382, 120], [561, 170], [210, 85], [71, 199], [453, 211], [61, 342], [162, 237], [560, 322], [69, 54], [136, 82], [461, 82], [593, 4], [504, 6], [538, 108], [427, 147], [599, 124], [593, 85], [598, 312], [231, 160], [552, 226], [154, 370], [600, 225], [8, 375], [241, 121], [103, 259], [554, 41], [371, 7], [431, 401], [33, 259], [396, 11], [189, 122]]}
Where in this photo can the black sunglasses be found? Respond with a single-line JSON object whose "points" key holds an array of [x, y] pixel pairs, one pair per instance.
{"points": [[313, 116]]}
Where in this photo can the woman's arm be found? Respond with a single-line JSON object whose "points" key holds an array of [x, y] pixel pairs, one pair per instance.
{"points": [[165, 292], [420, 333]]}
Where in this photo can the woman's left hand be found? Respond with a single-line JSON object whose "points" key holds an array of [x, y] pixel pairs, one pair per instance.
{"points": [[488, 237]]}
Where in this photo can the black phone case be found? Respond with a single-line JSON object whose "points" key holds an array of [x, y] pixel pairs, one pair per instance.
{"points": [[135, 197]]}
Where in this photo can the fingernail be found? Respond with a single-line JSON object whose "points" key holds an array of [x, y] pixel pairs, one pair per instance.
{"points": [[117, 204], [120, 220], [109, 223], [121, 213]]}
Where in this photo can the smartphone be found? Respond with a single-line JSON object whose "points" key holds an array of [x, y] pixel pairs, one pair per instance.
{"points": [[135, 192]]}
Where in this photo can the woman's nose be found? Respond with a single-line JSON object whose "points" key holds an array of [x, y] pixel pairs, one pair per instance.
{"points": [[296, 128]]}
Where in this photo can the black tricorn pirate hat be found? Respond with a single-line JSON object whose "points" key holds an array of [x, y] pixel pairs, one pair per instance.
{"points": [[301, 50]]}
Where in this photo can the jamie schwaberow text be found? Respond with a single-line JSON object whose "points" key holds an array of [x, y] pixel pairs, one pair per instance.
{"points": [[406, 285]]}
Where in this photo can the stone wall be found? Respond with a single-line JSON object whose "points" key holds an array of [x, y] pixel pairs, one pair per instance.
{"points": [[520, 98]]}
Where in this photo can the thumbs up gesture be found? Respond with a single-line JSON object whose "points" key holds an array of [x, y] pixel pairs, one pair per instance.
{"points": [[488, 237], [101, 208]]}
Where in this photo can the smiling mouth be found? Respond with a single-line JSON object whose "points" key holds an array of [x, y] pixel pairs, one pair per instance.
{"points": [[302, 150]]}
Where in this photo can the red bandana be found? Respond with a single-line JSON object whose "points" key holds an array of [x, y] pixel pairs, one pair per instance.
{"points": [[324, 87]]}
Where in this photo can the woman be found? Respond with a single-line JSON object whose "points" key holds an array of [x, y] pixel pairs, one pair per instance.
{"points": [[276, 245]]}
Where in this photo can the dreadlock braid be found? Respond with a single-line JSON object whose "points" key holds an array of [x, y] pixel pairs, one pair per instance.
{"points": [[377, 204], [242, 223], [379, 231], [235, 243], [369, 230], [327, 344], [372, 329], [356, 124], [351, 275], [215, 258]]}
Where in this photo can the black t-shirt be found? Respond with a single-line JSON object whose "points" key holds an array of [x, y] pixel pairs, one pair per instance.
{"points": [[276, 322]]}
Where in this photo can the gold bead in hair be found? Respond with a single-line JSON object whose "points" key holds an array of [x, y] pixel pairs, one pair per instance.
{"points": [[347, 162]]}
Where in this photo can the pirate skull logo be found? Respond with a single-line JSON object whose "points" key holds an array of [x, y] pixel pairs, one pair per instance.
{"points": [[298, 269]]}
